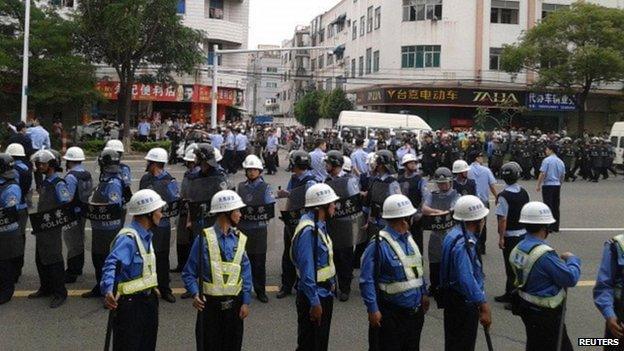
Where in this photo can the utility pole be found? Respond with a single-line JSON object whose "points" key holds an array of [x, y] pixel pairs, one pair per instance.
{"points": [[24, 111], [213, 106], [255, 87]]}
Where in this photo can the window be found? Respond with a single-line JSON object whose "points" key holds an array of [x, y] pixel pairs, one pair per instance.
{"points": [[369, 60], [271, 85], [321, 61], [376, 61], [355, 32], [321, 35], [215, 9], [422, 10], [181, 8], [420, 56], [330, 59], [313, 64], [328, 84], [362, 25], [548, 8], [504, 12], [353, 68], [340, 26], [378, 17], [330, 31], [340, 82], [361, 66], [271, 69], [211, 55], [495, 54], [369, 20]]}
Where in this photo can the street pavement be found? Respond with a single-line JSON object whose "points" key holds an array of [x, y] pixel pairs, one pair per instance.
{"points": [[591, 213]]}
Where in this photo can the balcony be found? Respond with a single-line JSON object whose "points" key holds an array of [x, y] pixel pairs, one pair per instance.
{"points": [[216, 29]]}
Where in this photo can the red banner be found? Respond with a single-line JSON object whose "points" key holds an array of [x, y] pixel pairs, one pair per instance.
{"points": [[159, 92]]}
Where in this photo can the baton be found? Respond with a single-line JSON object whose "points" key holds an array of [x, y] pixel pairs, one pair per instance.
{"points": [[488, 338], [562, 321], [112, 313]]}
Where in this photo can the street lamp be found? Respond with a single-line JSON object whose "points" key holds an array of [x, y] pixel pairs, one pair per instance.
{"points": [[24, 110]]}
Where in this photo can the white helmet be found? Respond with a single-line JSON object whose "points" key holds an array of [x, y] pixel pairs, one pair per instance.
{"points": [[191, 147], [319, 195], [74, 153], [144, 201], [218, 155], [157, 154], [469, 208], [370, 159], [346, 166], [189, 156], [536, 212], [226, 201], [460, 166], [16, 150], [408, 158], [115, 145], [252, 162], [397, 206]]}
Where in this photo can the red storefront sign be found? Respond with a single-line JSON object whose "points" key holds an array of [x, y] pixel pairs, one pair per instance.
{"points": [[461, 122], [159, 92]]}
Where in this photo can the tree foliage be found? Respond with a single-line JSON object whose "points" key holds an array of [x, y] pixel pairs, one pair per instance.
{"points": [[307, 109], [334, 103], [572, 50], [57, 76], [130, 35]]}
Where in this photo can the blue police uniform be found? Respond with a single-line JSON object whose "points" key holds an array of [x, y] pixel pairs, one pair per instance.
{"points": [[554, 170], [317, 160], [40, 138], [483, 178], [216, 140], [25, 182], [358, 160], [135, 326], [79, 184], [461, 275], [11, 243], [542, 291], [609, 283]]}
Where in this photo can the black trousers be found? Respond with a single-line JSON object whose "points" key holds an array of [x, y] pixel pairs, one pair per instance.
{"points": [[38, 180], [510, 243], [162, 271], [417, 235], [229, 159], [222, 328], [8, 272], [482, 236], [271, 162], [289, 274], [135, 327], [357, 254], [51, 277], [98, 264], [311, 336], [183, 251], [343, 260], [461, 322], [240, 157], [142, 138], [75, 265], [400, 330], [551, 195], [258, 271], [23, 219], [542, 329]]}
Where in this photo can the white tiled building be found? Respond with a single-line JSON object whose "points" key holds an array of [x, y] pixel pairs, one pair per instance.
{"points": [[295, 70], [264, 82]]}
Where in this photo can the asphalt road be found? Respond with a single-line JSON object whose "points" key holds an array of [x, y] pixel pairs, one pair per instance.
{"points": [[591, 213]]}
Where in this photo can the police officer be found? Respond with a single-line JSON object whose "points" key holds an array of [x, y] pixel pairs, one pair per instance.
{"points": [[552, 173], [568, 156], [130, 269], [80, 187], [510, 230], [461, 183], [429, 156], [462, 278], [542, 278], [184, 234], [345, 227], [124, 169], [415, 187], [226, 296], [159, 180], [109, 191], [301, 180], [49, 244], [485, 181], [404, 150], [382, 185], [24, 170], [439, 203], [11, 242], [317, 158], [608, 289], [392, 281], [312, 255], [522, 155], [257, 194]]}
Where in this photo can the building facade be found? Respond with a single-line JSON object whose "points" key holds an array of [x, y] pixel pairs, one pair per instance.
{"points": [[264, 81], [295, 71], [439, 59]]}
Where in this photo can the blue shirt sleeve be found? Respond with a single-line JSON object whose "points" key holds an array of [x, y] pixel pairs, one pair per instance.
{"points": [[394, 188], [367, 279], [174, 190], [467, 283], [246, 276], [72, 184], [123, 252], [605, 283], [190, 272], [62, 193], [269, 198], [564, 273], [502, 208], [11, 196], [545, 165], [304, 261]]}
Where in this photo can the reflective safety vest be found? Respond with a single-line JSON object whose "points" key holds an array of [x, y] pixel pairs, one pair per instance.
{"points": [[409, 262], [226, 276], [522, 263], [148, 279], [322, 273]]}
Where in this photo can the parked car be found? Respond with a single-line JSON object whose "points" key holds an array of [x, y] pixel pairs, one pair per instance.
{"points": [[104, 130]]}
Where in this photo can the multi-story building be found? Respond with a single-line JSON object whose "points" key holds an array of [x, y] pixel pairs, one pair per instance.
{"points": [[439, 59], [224, 23], [296, 71], [264, 81]]}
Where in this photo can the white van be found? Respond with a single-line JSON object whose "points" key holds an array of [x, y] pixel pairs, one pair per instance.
{"points": [[617, 140], [361, 123]]}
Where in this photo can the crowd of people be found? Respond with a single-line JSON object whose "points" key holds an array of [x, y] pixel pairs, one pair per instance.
{"points": [[350, 204]]}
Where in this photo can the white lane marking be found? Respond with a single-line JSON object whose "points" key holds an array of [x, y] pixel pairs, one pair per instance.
{"points": [[591, 229]]}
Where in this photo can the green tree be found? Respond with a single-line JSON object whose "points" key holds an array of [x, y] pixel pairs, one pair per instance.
{"points": [[307, 109], [572, 50], [334, 103], [129, 35], [57, 76]]}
